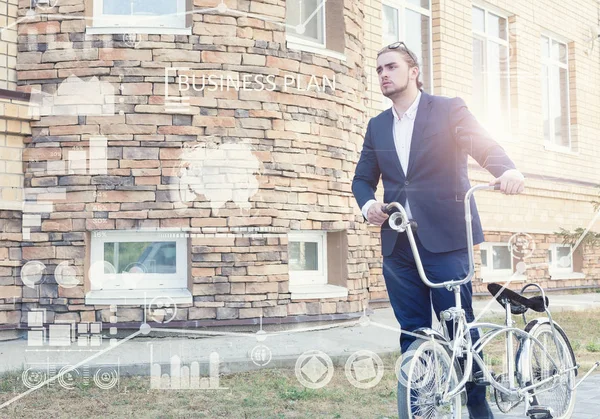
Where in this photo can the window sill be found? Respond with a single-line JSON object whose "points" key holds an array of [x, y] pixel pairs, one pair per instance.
{"points": [[132, 30], [306, 292], [559, 149], [138, 296], [503, 278], [566, 275], [301, 45]]}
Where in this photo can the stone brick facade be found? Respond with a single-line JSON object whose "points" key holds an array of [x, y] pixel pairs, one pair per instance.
{"points": [[307, 142]]}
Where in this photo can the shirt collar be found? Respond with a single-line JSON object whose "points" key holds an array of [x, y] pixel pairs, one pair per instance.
{"points": [[411, 112]]}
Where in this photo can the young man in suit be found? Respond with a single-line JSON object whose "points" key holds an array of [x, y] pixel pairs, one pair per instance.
{"points": [[420, 148]]}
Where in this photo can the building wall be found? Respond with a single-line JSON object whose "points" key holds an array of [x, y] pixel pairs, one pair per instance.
{"points": [[307, 142], [14, 129], [8, 44], [559, 185]]}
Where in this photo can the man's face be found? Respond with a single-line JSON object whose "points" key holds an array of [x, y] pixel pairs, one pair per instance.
{"points": [[394, 73]]}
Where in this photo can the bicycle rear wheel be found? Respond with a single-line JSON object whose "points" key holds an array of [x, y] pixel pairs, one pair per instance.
{"points": [[425, 371], [557, 394]]}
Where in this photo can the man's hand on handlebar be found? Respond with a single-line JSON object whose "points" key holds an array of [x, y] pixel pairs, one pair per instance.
{"points": [[375, 215], [511, 182]]}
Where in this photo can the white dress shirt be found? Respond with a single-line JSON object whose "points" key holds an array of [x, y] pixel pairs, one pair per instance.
{"points": [[403, 130]]}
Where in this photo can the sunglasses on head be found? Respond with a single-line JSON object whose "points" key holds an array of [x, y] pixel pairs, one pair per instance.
{"points": [[403, 47]]}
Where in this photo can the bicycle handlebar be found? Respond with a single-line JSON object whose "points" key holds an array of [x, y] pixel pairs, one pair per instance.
{"points": [[399, 221]]}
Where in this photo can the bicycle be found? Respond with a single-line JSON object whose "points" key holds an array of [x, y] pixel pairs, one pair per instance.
{"points": [[541, 374]]}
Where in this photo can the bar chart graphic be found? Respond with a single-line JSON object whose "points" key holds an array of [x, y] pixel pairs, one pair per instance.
{"points": [[183, 377]]}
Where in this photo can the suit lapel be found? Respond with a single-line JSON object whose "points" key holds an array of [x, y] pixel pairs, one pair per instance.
{"points": [[416, 146]]}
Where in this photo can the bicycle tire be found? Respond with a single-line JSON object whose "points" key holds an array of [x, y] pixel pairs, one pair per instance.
{"points": [[557, 396], [425, 367]]}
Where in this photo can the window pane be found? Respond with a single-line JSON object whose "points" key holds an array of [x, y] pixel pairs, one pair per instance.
{"points": [[478, 76], [497, 26], [390, 25], [478, 19], [136, 7], [501, 257], [545, 47], [497, 93], [545, 105], [303, 256], [141, 257], [558, 85], [550, 257], [563, 255], [484, 258], [418, 40], [298, 12], [559, 52], [421, 3]]}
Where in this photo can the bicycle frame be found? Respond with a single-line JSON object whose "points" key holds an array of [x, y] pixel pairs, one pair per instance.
{"points": [[462, 345]]}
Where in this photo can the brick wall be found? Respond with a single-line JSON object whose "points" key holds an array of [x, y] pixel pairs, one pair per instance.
{"points": [[308, 143], [559, 185]]}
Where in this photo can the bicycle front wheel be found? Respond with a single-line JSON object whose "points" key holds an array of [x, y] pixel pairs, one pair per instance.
{"points": [[426, 371], [557, 394]]}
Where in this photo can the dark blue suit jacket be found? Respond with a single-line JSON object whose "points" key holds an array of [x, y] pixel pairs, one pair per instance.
{"points": [[444, 134]]}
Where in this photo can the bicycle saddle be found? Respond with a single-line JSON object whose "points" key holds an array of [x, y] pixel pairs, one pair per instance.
{"points": [[518, 303]]}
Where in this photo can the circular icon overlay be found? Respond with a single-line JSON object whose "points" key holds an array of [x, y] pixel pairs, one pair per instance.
{"points": [[106, 378], [33, 378], [521, 245], [66, 275], [364, 369], [314, 369], [67, 378], [261, 355], [162, 309], [47, 6], [101, 271], [32, 273], [132, 40]]}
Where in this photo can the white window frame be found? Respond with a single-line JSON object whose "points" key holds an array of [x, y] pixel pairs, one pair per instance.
{"points": [[110, 286], [312, 278], [548, 62], [487, 9], [125, 24], [297, 42], [401, 6], [553, 264], [489, 274]]}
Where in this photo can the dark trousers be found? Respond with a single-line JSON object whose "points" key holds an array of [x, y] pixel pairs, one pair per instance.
{"points": [[411, 299]]}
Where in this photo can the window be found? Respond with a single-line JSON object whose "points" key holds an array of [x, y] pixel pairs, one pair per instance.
{"points": [[307, 258], [128, 264], [316, 26], [560, 259], [317, 263], [141, 16], [410, 21], [497, 262], [555, 93], [308, 19], [491, 90]]}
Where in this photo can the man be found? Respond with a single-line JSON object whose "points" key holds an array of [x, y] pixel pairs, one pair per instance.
{"points": [[420, 148]]}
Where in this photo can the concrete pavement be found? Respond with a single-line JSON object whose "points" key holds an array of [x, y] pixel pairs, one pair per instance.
{"points": [[242, 351]]}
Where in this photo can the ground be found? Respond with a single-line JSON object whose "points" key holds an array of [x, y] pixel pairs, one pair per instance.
{"points": [[274, 393]]}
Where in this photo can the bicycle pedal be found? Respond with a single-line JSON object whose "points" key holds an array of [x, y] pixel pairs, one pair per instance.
{"points": [[539, 412], [479, 380]]}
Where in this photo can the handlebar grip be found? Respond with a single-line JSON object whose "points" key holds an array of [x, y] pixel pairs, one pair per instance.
{"points": [[497, 187], [388, 209]]}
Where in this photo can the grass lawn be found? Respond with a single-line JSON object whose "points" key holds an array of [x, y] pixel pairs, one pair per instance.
{"points": [[259, 394]]}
